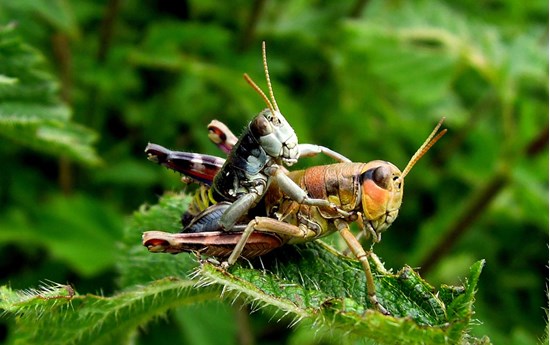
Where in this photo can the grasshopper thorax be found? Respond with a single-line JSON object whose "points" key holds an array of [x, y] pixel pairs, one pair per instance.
{"points": [[381, 196], [276, 136]]}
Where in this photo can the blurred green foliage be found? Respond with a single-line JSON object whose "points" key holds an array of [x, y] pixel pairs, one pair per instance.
{"points": [[368, 79]]}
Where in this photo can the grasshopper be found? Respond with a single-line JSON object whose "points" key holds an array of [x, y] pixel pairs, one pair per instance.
{"points": [[370, 194], [258, 157]]}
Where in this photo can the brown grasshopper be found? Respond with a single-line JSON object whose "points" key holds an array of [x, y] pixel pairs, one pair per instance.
{"points": [[369, 193]]}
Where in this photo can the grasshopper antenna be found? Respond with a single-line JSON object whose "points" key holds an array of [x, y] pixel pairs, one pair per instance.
{"points": [[266, 70], [428, 143], [271, 104], [258, 90]]}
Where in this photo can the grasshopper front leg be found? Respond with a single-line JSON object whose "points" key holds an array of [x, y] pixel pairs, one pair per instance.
{"points": [[362, 256], [310, 150], [292, 190], [224, 138], [246, 201]]}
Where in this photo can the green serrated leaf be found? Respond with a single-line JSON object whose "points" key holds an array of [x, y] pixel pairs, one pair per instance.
{"points": [[315, 282], [58, 13], [336, 298], [136, 264], [31, 113], [55, 315], [27, 113], [56, 138]]}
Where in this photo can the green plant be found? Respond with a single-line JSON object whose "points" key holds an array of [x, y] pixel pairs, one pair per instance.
{"points": [[311, 282], [363, 78]]}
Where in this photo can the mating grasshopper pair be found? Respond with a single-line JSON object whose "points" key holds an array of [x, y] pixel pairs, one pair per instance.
{"points": [[252, 205]]}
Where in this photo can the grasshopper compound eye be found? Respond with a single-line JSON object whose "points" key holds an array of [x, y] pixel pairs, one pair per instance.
{"points": [[261, 125], [381, 176]]}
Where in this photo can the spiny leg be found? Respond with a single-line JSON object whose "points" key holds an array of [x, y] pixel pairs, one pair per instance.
{"points": [[362, 234], [265, 224], [310, 150], [362, 256]]}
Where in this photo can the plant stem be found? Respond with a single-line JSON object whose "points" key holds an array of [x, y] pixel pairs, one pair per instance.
{"points": [[62, 53], [358, 8], [105, 39], [244, 331], [478, 204], [251, 24], [469, 215], [106, 32]]}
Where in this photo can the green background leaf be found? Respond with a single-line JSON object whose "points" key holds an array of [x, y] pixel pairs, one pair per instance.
{"points": [[85, 85]]}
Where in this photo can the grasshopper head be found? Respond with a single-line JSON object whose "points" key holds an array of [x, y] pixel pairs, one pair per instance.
{"points": [[276, 136], [270, 127], [381, 196], [382, 188]]}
